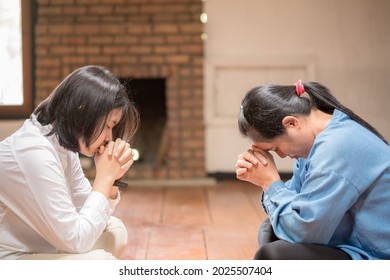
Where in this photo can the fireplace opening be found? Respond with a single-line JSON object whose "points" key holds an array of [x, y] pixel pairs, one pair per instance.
{"points": [[151, 138]]}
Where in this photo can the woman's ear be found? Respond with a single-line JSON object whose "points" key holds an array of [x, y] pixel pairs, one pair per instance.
{"points": [[291, 122]]}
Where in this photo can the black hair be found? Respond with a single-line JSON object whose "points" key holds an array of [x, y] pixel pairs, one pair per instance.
{"points": [[79, 106], [264, 107]]}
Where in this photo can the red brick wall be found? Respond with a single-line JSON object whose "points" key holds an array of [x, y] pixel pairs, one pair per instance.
{"points": [[138, 39]]}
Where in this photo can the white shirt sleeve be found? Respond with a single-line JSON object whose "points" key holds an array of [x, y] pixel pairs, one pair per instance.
{"points": [[81, 187], [62, 209]]}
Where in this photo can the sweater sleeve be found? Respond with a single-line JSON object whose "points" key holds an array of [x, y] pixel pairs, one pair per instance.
{"points": [[311, 212]]}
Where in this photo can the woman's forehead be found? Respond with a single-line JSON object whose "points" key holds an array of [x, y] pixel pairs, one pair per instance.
{"points": [[115, 116], [263, 145]]}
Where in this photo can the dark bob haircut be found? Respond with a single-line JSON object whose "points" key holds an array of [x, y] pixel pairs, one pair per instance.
{"points": [[79, 106]]}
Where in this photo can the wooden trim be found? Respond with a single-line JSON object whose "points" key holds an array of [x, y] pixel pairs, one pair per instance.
{"points": [[24, 110]]}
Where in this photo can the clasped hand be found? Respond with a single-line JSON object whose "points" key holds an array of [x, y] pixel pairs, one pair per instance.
{"points": [[114, 159], [257, 167]]}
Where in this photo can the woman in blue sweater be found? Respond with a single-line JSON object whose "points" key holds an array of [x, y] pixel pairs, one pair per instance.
{"points": [[337, 203]]}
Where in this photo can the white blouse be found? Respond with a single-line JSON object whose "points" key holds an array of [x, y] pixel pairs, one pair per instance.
{"points": [[46, 203]]}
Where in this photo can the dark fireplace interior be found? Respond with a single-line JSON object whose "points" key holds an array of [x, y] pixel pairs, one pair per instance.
{"points": [[150, 139]]}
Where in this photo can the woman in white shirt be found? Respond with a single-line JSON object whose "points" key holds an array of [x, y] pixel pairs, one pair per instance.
{"points": [[48, 208]]}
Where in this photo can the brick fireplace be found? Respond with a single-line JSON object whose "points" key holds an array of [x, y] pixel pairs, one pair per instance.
{"points": [[135, 39]]}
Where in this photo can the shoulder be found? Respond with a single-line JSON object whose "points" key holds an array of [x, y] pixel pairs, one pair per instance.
{"points": [[350, 150], [30, 137], [31, 142], [344, 136]]}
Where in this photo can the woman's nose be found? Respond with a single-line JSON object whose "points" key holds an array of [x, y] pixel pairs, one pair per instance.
{"points": [[280, 154], [108, 135]]}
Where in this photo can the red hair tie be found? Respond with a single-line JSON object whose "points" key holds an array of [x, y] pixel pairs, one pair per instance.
{"points": [[299, 88]]}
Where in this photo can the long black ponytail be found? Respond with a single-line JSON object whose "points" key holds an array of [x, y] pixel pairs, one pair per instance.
{"points": [[264, 107]]}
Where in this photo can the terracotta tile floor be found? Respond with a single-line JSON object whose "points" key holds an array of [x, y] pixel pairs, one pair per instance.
{"points": [[191, 223]]}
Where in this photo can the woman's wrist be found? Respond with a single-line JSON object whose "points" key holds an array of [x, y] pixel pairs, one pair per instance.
{"points": [[114, 192], [266, 184], [103, 184]]}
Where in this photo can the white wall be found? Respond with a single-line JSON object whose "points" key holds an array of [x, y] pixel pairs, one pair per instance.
{"points": [[343, 44]]}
